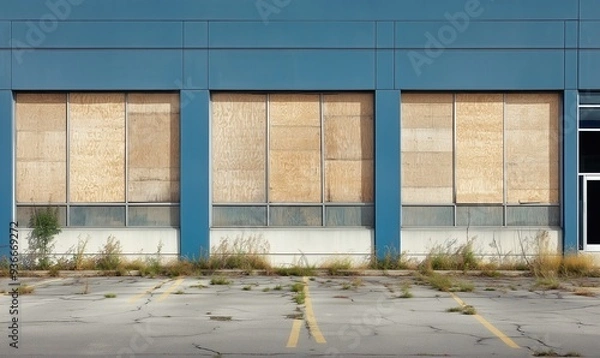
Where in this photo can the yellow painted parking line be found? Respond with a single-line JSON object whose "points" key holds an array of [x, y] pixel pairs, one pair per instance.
{"points": [[294, 334], [313, 327], [137, 297], [44, 282], [170, 290], [509, 342]]}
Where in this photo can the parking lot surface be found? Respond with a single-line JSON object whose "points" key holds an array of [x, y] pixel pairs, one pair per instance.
{"points": [[238, 316]]}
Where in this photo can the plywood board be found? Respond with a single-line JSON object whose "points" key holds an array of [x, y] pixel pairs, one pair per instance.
{"points": [[41, 182], [427, 110], [427, 169], [238, 186], [431, 195], [532, 182], [154, 185], [294, 110], [427, 140], [41, 146], [534, 196], [349, 181], [41, 112], [532, 111], [239, 148], [348, 104], [97, 132], [294, 176], [153, 103], [295, 138], [529, 144], [348, 137], [479, 148]]}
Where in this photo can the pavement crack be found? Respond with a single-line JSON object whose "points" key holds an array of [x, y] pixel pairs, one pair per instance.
{"points": [[207, 349]]}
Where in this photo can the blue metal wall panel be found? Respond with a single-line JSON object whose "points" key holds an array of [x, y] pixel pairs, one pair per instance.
{"points": [[480, 70], [589, 34], [6, 163], [571, 34], [5, 35], [589, 76], [463, 33], [570, 201], [98, 70], [195, 34], [570, 69], [109, 34], [5, 63], [589, 10], [387, 172], [195, 65], [317, 10], [385, 69], [195, 177], [291, 69], [385, 34], [291, 35]]}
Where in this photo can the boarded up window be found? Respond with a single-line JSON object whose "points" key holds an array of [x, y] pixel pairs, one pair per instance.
{"points": [[532, 166], [427, 148], [97, 160], [348, 127], [153, 149], [295, 148], [238, 148], [479, 148], [41, 121]]}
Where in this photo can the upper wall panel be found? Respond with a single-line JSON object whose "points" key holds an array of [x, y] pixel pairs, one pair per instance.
{"points": [[480, 69], [292, 35], [99, 35], [97, 69], [465, 34], [589, 10], [5, 69], [5, 34], [313, 10], [291, 69], [588, 34]]}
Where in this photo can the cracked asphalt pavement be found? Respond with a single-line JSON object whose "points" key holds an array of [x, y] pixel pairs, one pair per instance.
{"points": [[376, 316]]}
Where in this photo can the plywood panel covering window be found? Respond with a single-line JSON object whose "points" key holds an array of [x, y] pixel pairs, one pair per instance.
{"points": [[427, 148], [100, 159], [281, 159], [97, 162], [479, 148], [41, 148], [480, 159], [348, 126], [153, 150], [238, 148], [532, 148]]}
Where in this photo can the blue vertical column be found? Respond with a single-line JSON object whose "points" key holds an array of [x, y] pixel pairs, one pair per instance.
{"points": [[195, 179], [387, 172], [6, 165], [570, 198]]}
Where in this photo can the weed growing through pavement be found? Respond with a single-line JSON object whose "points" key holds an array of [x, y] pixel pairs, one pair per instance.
{"points": [[220, 280], [110, 295]]}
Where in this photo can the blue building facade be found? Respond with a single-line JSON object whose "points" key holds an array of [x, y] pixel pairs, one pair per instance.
{"points": [[384, 48]]}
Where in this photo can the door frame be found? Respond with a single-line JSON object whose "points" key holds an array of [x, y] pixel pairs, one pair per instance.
{"points": [[586, 178]]}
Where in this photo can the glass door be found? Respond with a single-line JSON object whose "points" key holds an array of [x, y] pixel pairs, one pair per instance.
{"points": [[591, 213]]}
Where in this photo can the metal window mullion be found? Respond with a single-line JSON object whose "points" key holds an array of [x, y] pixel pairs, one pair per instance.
{"points": [[504, 180], [126, 181], [454, 190], [68, 163], [267, 158], [322, 161]]}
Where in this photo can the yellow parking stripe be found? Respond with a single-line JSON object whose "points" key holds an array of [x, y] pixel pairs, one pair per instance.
{"points": [[170, 290], [294, 334], [137, 297], [509, 342], [313, 327]]}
